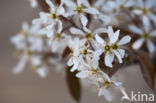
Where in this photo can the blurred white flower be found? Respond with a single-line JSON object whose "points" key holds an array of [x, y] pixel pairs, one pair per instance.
{"points": [[146, 35], [86, 33], [79, 9], [112, 47], [33, 3], [144, 9]]}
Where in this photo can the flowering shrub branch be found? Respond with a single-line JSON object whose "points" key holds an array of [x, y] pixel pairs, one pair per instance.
{"points": [[94, 39]]}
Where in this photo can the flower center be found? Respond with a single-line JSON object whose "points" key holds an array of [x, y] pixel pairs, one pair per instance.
{"points": [[145, 11], [79, 9], [121, 6], [53, 15], [107, 48], [88, 36], [106, 83], [146, 35], [115, 46], [94, 71], [85, 52], [57, 36]]}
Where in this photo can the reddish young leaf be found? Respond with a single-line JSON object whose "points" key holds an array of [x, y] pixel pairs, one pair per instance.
{"points": [[73, 84], [147, 68]]}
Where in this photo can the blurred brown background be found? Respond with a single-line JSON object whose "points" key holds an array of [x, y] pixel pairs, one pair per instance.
{"points": [[28, 87]]}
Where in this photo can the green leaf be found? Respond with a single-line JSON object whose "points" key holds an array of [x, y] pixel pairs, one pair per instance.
{"points": [[147, 68], [73, 84]]}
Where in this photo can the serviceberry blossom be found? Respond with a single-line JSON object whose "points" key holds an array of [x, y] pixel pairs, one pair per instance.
{"points": [[112, 47], [77, 36], [145, 10], [146, 35], [33, 3], [80, 9]]}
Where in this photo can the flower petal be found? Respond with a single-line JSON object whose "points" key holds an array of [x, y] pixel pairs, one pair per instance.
{"points": [[109, 59], [50, 3], [83, 20], [103, 91], [118, 56], [99, 39], [42, 72], [138, 43], [153, 33], [91, 10], [115, 37], [74, 30], [100, 30], [81, 75], [124, 40], [60, 11], [151, 47], [122, 52], [135, 29]]}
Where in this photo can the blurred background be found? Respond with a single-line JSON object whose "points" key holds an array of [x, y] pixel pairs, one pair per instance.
{"points": [[28, 87]]}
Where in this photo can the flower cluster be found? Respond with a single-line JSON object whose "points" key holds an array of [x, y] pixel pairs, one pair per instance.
{"points": [[80, 34]]}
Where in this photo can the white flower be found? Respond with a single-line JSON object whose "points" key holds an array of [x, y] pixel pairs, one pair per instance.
{"points": [[52, 18], [74, 60], [145, 10], [145, 36], [20, 66], [79, 48], [80, 9], [112, 47], [88, 67], [33, 3], [42, 71], [86, 33], [19, 40]]}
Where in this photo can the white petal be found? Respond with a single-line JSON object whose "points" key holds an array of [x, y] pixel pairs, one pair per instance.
{"points": [[99, 39], [118, 84], [110, 32], [69, 3], [83, 20], [138, 43], [25, 26], [67, 14], [115, 37], [100, 30], [122, 52], [109, 59], [79, 2], [59, 26], [74, 30], [146, 23], [91, 10], [33, 3], [118, 56], [50, 3], [86, 3], [137, 11], [42, 72], [135, 29], [153, 33], [86, 29], [20, 66], [70, 62], [81, 75], [124, 40], [106, 94], [60, 11], [75, 66], [151, 47]]}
